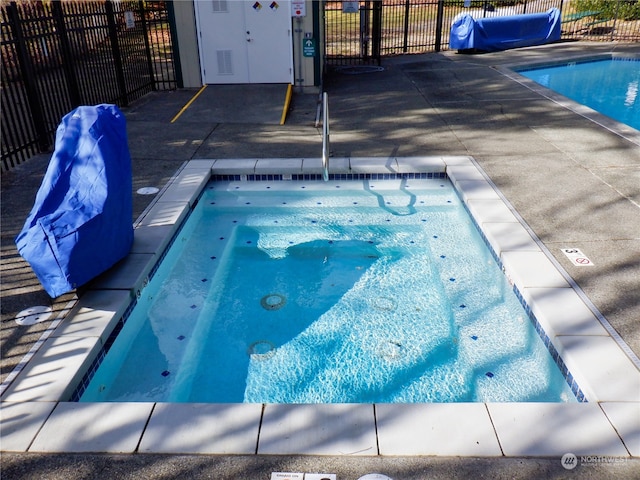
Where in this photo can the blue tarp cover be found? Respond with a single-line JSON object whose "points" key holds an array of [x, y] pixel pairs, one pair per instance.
{"points": [[81, 221], [502, 33]]}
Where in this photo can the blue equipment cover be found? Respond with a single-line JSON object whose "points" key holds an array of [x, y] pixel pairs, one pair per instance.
{"points": [[502, 33], [81, 221]]}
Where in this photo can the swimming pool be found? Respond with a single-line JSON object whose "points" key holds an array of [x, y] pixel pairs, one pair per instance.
{"points": [[348, 291], [609, 86]]}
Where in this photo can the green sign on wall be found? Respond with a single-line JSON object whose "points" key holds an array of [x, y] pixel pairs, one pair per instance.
{"points": [[308, 47]]}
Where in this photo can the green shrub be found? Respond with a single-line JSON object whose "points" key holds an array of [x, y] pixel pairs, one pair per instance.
{"points": [[627, 10]]}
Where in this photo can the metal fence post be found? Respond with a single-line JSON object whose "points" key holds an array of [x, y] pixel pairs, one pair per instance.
{"points": [[29, 78], [147, 46], [68, 62], [117, 59], [377, 30], [405, 40], [175, 51]]}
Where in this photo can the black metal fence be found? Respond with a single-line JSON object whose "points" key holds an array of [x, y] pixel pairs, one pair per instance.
{"points": [[374, 28], [61, 54]]}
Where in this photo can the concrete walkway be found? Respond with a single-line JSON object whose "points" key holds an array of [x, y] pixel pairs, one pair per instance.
{"points": [[575, 182]]}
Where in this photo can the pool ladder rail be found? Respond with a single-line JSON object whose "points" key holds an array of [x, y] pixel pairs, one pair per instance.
{"points": [[325, 137]]}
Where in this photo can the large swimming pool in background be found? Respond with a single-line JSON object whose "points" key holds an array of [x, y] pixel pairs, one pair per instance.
{"points": [[328, 292], [611, 87]]}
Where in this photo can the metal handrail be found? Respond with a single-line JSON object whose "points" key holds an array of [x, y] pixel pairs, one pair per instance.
{"points": [[325, 137]]}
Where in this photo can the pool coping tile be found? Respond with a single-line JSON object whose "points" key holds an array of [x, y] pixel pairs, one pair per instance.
{"points": [[152, 240], [600, 367], [458, 173], [509, 237], [531, 269], [164, 213], [318, 429], [625, 417], [427, 164], [278, 166], [490, 210], [20, 422], [561, 311], [94, 315], [131, 273], [54, 369], [475, 189], [445, 429], [373, 165], [212, 428], [553, 429], [93, 427], [187, 185]]}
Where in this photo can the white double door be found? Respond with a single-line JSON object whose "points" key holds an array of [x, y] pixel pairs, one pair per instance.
{"points": [[245, 41]]}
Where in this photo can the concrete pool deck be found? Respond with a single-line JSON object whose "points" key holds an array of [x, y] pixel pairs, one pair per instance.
{"points": [[527, 144]]}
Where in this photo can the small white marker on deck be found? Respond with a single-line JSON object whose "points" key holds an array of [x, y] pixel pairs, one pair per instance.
{"points": [[286, 476], [578, 258]]}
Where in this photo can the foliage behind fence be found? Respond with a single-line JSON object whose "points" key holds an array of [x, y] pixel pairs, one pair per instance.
{"points": [[61, 54]]}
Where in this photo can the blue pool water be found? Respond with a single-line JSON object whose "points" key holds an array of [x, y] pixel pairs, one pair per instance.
{"points": [[610, 87], [322, 292]]}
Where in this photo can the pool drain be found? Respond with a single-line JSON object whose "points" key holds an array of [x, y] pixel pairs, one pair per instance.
{"points": [[386, 304], [273, 301], [261, 350], [390, 350]]}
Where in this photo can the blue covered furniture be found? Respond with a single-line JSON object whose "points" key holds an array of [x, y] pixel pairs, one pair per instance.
{"points": [[81, 221], [502, 33]]}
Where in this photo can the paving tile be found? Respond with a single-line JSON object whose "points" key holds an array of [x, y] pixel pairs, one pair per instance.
{"points": [[327, 429], [203, 428], [50, 374], [20, 422], [93, 427], [561, 311], [532, 269], [553, 429], [625, 417], [95, 314], [600, 367], [447, 429]]}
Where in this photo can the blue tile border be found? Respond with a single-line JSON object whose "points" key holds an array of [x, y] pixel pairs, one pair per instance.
{"points": [[332, 176], [575, 388]]}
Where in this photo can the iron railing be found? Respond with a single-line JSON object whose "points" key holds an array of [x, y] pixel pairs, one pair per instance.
{"points": [[61, 54], [389, 27]]}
